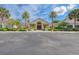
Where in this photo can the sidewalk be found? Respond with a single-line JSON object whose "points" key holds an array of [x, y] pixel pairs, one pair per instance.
{"points": [[39, 31]]}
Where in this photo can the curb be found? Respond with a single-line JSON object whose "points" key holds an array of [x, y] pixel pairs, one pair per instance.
{"points": [[39, 31]]}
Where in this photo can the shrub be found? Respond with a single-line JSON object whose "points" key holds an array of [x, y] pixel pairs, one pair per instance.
{"points": [[14, 29], [58, 28], [49, 29], [29, 29], [71, 29], [10, 29], [3, 29], [22, 29]]}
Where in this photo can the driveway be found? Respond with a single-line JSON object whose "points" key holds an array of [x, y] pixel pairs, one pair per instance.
{"points": [[39, 43]]}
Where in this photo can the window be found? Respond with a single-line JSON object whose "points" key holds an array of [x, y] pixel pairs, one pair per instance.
{"points": [[69, 26], [77, 19], [77, 26]]}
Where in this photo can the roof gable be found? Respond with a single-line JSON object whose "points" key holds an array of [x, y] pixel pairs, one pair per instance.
{"points": [[39, 20]]}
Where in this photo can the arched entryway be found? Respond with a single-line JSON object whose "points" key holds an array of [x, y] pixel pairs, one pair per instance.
{"points": [[39, 25]]}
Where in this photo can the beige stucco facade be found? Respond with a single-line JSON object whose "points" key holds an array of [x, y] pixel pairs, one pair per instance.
{"points": [[71, 21], [40, 24]]}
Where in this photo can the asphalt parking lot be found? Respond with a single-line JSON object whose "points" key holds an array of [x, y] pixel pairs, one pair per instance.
{"points": [[39, 43]]}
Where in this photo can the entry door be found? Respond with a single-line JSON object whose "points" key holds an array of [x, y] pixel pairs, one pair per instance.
{"points": [[39, 27]]}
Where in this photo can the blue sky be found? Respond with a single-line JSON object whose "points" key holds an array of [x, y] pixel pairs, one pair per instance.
{"points": [[39, 10]]}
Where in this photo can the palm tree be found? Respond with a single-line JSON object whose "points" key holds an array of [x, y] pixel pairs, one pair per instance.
{"points": [[52, 15], [73, 15], [25, 16], [4, 13]]}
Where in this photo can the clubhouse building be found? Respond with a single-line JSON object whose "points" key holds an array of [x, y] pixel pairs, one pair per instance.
{"points": [[39, 24]]}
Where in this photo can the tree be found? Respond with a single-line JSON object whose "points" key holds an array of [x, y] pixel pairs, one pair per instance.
{"points": [[56, 21], [63, 24], [12, 22], [25, 16], [73, 15], [17, 22], [52, 15], [4, 13]]}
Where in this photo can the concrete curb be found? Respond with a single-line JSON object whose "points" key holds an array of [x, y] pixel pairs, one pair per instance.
{"points": [[39, 31]]}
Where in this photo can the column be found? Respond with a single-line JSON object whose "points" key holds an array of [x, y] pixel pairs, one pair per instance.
{"points": [[36, 26], [42, 26]]}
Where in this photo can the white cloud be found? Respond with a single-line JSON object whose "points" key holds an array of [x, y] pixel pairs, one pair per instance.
{"points": [[71, 6], [32, 9], [60, 10]]}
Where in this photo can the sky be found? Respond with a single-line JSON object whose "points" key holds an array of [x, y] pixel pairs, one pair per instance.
{"points": [[39, 10]]}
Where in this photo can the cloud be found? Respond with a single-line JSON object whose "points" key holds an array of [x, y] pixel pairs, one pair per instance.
{"points": [[60, 10], [37, 10], [71, 6]]}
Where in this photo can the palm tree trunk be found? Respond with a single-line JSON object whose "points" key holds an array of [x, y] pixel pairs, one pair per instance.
{"points": [[28, 24], [52, 24], [74, 25], [2, 24], [25, 23]]}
